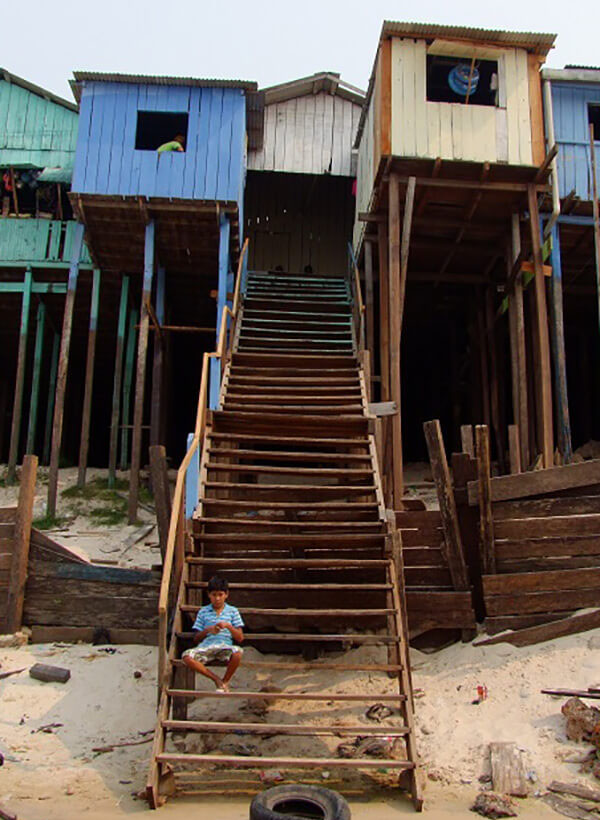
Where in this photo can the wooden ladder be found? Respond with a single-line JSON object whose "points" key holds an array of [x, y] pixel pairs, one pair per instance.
{"points": [[292, 513]]}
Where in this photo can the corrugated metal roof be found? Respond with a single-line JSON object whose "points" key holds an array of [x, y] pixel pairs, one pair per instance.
{"points": [[36, 89], [147, 79], [584, 67], [532, 41], [572, 74], [328, 81]]}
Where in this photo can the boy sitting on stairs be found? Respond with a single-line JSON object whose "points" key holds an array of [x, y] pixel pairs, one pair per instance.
{"points": [[217, 625]]}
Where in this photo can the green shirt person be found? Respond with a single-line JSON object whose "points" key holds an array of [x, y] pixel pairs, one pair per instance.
{"points": [[174, 145]]}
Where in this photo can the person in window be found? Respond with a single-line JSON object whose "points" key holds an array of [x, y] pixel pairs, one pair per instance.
{"points": [[176, 144]]}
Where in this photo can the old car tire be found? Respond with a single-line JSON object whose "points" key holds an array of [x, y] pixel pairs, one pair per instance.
{"points": [[281, 803]]}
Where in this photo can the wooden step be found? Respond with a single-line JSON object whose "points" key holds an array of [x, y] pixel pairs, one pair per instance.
{"points": [[217, 727], [290, 492], [308, 305], [340, 323], [266, 524], [295, 563], [295, 696], [287, 762], [316, 471], [301, 399], [286, 314], [287, 587], [305, 441], [302, 613], [304, 410], [257, 384], [295, 362], [333, 540], [291, 422], [287, 455], [311, 666]]}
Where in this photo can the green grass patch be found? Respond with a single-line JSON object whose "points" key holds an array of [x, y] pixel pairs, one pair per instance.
{"points": [[97, 488], [109, 516], [49, 522]]}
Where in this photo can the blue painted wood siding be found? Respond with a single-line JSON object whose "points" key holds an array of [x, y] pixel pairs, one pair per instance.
{"points": [[37, 240], [212, 166], [35, 132], [571, 128]]}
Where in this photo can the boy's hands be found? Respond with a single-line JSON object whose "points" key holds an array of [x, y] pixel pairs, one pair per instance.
{"points": [[222, 625]]}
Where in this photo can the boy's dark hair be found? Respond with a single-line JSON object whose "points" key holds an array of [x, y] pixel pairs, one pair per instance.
{"points": [[218, 584]]}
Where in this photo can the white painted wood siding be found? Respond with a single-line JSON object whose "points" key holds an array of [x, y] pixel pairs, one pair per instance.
{"points": [[365, 172], [308, 135], [454, 131]]}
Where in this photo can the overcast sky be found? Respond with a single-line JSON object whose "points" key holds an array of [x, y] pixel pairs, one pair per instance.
{"points": [[262, 40]]}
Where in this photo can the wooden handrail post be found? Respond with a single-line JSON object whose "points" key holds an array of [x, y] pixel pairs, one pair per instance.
{"points": [[21, 541], [486, 524]]}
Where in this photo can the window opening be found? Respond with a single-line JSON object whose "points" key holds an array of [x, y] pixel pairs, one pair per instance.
{"points": [[594, 119], [462, 80], [154, 128]]}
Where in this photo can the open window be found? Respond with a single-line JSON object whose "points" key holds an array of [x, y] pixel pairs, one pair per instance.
{"points": [[154, 128], [462, 80], [594, 119]]}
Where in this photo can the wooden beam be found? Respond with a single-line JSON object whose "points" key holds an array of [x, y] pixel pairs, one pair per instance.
{"points": [[557, 335], [595, 212], [35, 377], [84, 443], [369, 311], [127, 382], [158, 358], [475, 185], [522, 417], [15, 433], [469, 214], [116, 397], [384, 326], [514, 449], [543, 365], [162, 493], [486, 523], [494, 386], [21, 539], [466, 439], [51, 397], [452, 546], [138, 410]]}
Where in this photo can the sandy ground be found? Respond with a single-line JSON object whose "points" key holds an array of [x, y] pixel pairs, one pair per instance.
{"points": [[56, 774]]}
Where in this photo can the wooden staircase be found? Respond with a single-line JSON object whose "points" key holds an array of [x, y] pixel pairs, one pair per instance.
{"points": [[291, 512]]}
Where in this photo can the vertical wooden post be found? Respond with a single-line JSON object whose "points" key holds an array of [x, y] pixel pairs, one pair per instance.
{"points": [[370, 317], [486, 524], [557, 334], [15, 432], [384, 323], [162, 493], [398, 268], [466, 439], [543, 364], [116, 397], [89, 380], [215, 364], [51, 396], [35, 378], [63, 367], [514, 449], [452, 545], [127, 382], [138, 410], [595, 212], [20, 555], [516, 299], [494, 392], [157, 364]]}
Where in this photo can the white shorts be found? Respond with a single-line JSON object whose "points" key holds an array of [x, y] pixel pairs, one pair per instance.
{"points": [[217, 653]]}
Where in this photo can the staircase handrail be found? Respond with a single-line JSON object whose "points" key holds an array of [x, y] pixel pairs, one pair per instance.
{"points": [[173, 556], [357, 299]]}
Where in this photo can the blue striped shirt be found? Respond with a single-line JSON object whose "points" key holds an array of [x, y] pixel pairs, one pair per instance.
{"points": [[208, 617]]}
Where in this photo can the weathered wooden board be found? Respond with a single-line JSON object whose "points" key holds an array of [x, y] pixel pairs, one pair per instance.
{"points": [[572, 579], [511, 487], [528, 636], [508, 771]]}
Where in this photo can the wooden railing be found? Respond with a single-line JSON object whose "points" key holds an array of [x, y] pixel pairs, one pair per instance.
{"points": [[358, 305], [175, 548]]}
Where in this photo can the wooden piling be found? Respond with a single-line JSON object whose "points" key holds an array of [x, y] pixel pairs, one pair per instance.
{"points": [[384, 324], [162, 493], [84, 443], [116, 397], [40, 326], [63, 366], [595, 213], [138, 410], [20, 555], [543, 342], [370, 317], [51, 397], [15, 432], [486, 524], [157, 363], [557, 335], [522, 417], [127, 382]]}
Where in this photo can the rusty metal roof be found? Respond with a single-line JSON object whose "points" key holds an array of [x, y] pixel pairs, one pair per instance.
{"points": [[541, 43], [147, 79], [36, 89]]}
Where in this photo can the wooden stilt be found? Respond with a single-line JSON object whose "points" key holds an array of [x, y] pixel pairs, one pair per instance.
{"points": [[89, 380], [15, 432], [522, 417], [514, 449], [162, 493], [20, 555], [116, 397], [494, 390], [595, 212], [127, 382], [483, 361], [486, 524], [138, 410], [51, 397], [63, 366], [541, 331], [35, 378], [157, 364], [384, 325], [557, 335], [370, 318], [215, 364], [466, 438]]}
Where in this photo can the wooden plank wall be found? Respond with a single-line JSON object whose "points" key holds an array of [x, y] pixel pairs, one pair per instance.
{"points": [[367, 163], [432, 601], [7, 528], [452, 130], [311, 134], [212, 166], [294, 220], [570, 109], [35, 131], [33, 240]]}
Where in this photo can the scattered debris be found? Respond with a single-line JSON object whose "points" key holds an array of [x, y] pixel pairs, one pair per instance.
{"points": [[103, 749], [15, 640], [508, 772], [482, 694], [568, 808], [12, 672], [583, 722], [575, 693], [383, 747], [576, 790], [49, 674], [48, 728], [271, 776], [378, 712], [489, 804], [137, 674], [6, 815]]}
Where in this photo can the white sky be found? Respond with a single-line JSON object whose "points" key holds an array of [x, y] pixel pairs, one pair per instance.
{"points": [[262, 40]]}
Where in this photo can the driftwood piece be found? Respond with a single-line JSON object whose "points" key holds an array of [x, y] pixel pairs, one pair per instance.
{"points": [[567, 808], [576, 790], [7, 815], [508, 772], [573, 693], [11, 672], [546, 632], [49, 674], [112, 746]]}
